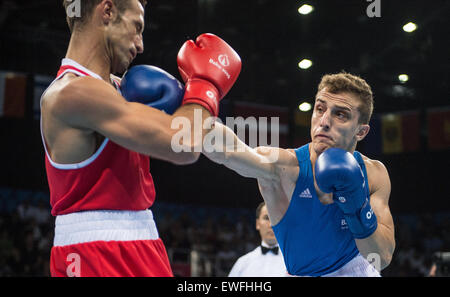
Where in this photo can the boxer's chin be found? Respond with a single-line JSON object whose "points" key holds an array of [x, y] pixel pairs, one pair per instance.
{"points": [[119, 67], [122, 67], [320, 147]]}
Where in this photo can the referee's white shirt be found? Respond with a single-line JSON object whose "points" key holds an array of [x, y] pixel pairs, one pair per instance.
{"points": [[255, 264]]}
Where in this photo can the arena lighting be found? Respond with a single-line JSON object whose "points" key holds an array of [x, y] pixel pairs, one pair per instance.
{"points": [[403, 78], [409, 27], [305, 106], [305, 9], [305, 64]]}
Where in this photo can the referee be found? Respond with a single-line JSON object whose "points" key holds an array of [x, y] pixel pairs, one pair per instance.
{"points": [[266, 260]]}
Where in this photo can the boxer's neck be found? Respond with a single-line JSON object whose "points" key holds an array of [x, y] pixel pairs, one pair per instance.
{"points": [[87, 49]]}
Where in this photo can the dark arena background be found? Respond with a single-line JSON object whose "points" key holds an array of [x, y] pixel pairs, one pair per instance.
{"points": [[205, 213]]}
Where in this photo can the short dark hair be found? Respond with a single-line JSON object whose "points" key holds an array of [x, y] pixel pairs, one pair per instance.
{"points": [[87, 7], [258, 209], [346, 82]]}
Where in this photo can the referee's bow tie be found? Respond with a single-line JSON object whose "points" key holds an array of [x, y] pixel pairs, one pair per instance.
{"points": [[274, 250]]}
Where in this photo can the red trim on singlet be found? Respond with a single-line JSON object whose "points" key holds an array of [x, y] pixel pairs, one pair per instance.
{"points": [[65, 67]]}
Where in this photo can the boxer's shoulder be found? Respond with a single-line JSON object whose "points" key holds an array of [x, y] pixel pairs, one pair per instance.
{"points": [[287, 157], [373, 165], [54, 95], [82, 86], [54, 90], [284, 160], [285, 167], [377, 173], [75, 95], [67, 143], [67, 87], [286, 170]]}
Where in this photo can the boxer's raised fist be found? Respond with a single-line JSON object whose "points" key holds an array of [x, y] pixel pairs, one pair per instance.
{"points": [[209, 67], [338, 172], [152, 86]]}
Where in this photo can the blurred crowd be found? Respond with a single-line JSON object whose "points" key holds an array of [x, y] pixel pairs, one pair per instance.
{"points": [[217, 236], [418, 238], [218, 240], [26, 237]]}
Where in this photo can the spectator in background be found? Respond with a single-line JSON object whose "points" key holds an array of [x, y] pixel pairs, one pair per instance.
{"points": [[39, 213], [266, 260], [24, 210]]}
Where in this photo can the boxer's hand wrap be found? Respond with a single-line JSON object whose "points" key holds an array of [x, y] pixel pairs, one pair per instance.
{"points": [[152, 86], [337, 171], [209, 67]]}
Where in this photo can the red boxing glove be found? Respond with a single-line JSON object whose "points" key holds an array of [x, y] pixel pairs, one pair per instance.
{"points": [[209, 68]]}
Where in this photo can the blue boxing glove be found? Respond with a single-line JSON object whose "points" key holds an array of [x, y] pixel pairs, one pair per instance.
{"points": [[337, 171], [152, 86]]}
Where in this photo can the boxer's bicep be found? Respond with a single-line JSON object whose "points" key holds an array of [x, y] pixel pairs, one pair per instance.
{"points": [[149, 131], [92, 104], [137, 127]]}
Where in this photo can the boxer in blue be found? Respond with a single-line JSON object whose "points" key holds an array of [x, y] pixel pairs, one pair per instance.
{"points": [[328, 204]]}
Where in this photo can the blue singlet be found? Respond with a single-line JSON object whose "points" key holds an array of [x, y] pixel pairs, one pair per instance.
{"points": [[314, 238]]}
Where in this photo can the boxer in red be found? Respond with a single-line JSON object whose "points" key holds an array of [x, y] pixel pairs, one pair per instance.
{"points": [[97, 143]]}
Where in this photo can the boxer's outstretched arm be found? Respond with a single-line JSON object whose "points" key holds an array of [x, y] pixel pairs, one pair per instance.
{"points": [[276, 169], [92, 105], [229, 150]]}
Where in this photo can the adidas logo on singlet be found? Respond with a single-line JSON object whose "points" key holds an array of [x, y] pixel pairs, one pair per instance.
{"points": [[305, 194]]}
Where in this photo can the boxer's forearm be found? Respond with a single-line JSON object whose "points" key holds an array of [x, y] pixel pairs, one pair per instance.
{"points": [[380, 245], [187, 138], [227, 149]]}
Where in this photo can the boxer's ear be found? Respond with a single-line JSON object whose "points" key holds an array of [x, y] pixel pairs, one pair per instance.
{"points": [[107, 11], [363, 130]]}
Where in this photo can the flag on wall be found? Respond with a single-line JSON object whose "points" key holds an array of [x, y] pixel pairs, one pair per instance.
{"points": [[411, 127], [391, 131], [13, 89], [400, 132], [438, 128]]}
